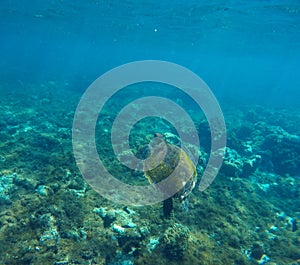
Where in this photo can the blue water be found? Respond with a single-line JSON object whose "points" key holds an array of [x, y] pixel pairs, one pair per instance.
{"points": [[245, 50]]}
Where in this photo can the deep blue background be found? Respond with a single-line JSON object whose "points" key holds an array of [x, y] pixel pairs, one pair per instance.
{"points": [[246, 51]]}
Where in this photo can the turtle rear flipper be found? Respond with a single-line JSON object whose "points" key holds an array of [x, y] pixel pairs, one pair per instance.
{"points": [[168, 207]]}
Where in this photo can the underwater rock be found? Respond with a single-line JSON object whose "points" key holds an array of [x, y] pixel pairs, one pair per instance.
{"points": [[108, 216], [175, 241], [235, 165], [294, 225], [118, 229], [2, 158], [283, 148], [247, 147], [44, 190], [127, 233], [4, 199], [250, 165], [61, 262], [7, 219], [256, 251], [245, 131], [232, 164], [6, 186], [27, 184], [122, 217], [293, 138], [264, 259], [287, 187], [44, 141], [50, 235], [119, 259], [153, 243]]}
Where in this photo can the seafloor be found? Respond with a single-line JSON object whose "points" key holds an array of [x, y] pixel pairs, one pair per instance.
{"points": [[50, 215]]}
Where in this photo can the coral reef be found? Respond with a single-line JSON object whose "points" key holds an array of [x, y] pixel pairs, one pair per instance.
{"points": [[175, 241], [50, 215]]}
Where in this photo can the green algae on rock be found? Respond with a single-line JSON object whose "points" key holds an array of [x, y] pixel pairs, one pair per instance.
{"points": [[175, 241]]}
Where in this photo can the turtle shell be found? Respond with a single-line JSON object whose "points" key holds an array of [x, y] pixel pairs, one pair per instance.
{"points": [[164, 160]]}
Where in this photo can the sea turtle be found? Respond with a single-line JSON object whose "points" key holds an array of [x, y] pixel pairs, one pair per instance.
{"points": [[163, 158]]}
